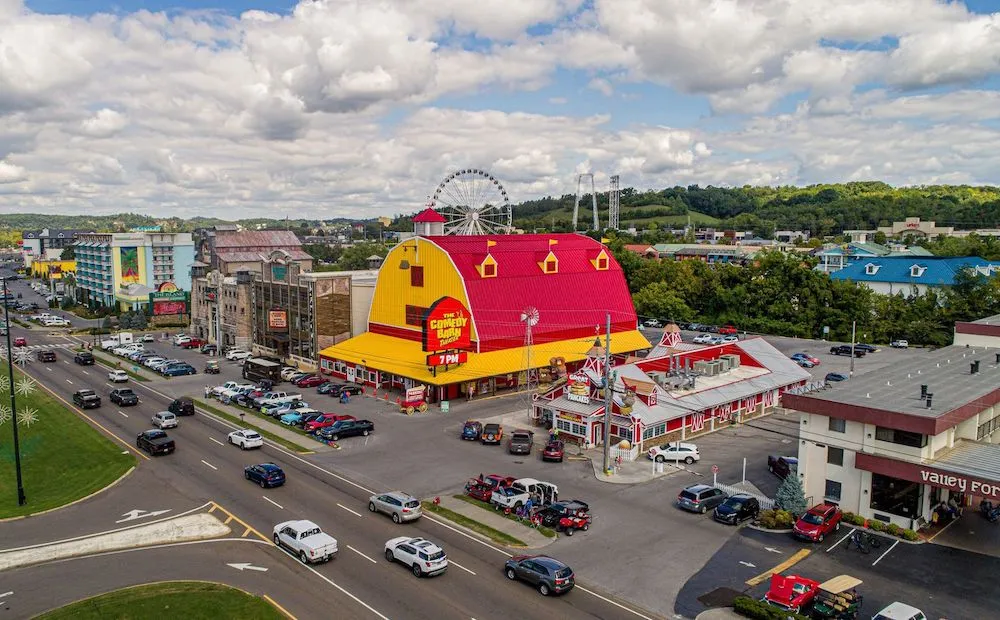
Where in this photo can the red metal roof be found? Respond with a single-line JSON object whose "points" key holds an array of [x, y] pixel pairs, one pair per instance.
{"points": [[572, 303], [429, 215], [257, 239]]}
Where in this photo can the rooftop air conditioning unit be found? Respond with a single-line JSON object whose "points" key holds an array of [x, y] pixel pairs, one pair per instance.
{"points": [[734, 360], [701, 367], [660, 378], [717, 366], [723, 364]]}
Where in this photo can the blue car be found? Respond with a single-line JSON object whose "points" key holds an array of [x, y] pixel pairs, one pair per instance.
{"points": [[276, 410], [806, 361], [472, 430], [294, 418], [178, 370], [265, 474]]}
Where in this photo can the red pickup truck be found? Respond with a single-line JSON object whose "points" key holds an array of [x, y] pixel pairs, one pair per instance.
{"points": [[727, 330], [194, 343], [819, 522]]}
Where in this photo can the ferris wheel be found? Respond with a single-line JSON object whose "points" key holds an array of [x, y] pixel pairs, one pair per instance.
{"points": [[473, 202]]}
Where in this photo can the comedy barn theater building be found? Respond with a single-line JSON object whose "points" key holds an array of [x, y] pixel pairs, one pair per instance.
{"points": [[468, 315]]}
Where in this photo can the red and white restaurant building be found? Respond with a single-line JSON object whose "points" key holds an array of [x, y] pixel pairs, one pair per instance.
{"points": [[677, 391], [893, 444]]}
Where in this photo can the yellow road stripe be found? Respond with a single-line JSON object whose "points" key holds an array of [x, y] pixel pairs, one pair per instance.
{"points": [[780, 568], [232, 517], [245, 532], [280, 608]]}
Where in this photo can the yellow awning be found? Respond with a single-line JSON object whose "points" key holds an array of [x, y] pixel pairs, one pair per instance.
{"points": [[406, 358]]}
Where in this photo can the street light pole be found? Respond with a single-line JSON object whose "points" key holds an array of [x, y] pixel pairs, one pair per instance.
{"points": [[21, 500], [608, 389]]}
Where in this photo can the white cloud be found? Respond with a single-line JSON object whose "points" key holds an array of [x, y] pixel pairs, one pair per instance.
{"points": [[9, 173], [104, 124], [602, 86]]}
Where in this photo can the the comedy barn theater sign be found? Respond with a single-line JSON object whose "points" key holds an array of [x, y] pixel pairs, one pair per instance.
{"points": [[447, 326]]}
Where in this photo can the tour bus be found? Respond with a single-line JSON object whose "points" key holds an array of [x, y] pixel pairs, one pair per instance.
{"points": [[256, 369]]}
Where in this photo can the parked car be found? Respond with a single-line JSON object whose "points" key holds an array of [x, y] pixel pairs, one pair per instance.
{"points": [[293, 418], [479, 489], [509, 497], [117, 376], [702, 339], [496, 481], [792, 593], [148, 338], [327, 419], [845, 349], [47, 356], [180, 339], [867, 348], [237, 355], [280, 408], [182, 406], [123, 397], [178, 370], [20, 342], [700, 498], [310, 381], [84, 358], [265, 474], [286, 372], [209, 348], [818, 522], [900, 611], [835, 377], [554, 512], [805, 360], [547, 574], [653, 323], [349, 389], [86, 399], [155, 442], [424, 558], [899, 344], [305, 540], [728, 330], [164, 419], [781, 466], [737, 508], [307, 418], [472, 430], [328, 387], [554, 450], [674, 451], [346, 428], [400, 506], [245, 439], [193, 343], [520, 442], [492, 434]]}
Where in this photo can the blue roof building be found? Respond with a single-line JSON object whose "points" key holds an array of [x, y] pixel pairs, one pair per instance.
{"points": [[912, 275]]}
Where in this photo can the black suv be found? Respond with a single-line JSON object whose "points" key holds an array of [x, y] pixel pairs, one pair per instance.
{"points": [[124, 397], [845, 349], [84, 358], [737, 508], [86, 399], [182, 406], [46, 356]]}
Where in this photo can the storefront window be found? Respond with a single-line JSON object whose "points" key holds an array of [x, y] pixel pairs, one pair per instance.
{"points": [[902, 438], [895, 496], [656, 430], [832, 490], [571, 427]]}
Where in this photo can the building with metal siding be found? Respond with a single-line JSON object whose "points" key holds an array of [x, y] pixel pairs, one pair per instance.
{"points": [[572, 282]]}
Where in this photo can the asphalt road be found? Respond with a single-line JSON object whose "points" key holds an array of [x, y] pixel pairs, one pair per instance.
{"points": [[204, 469]]}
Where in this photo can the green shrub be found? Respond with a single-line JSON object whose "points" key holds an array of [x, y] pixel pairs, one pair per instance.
{"points": [[776, 519], [908, 535], [876, 525], [892, 529], [848, 517], [759, 610]]}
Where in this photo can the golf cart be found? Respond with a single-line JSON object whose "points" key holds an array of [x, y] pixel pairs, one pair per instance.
{"points": [[837, 599], [212, 367]]}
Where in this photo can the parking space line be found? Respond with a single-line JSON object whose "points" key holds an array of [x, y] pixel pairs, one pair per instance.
{"points": [[217, 441], [123, 414], [886, 553], [266, 498], [361, 554], [834, 545], [108, 384], [454, 563], [210, 465], [349, 510], [799, 555]]}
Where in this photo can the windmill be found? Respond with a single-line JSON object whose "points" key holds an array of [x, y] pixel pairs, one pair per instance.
{"points": [[530, 318]]}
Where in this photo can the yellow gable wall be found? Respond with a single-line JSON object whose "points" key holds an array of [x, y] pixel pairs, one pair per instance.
{"points": [[393, 291]]}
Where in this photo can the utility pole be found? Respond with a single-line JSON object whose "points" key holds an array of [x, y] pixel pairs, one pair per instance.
{"points": [[21, 500], [608, 390], [854, 333]]}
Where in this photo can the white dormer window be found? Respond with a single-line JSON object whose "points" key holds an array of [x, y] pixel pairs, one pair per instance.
{"points": [[916, 271], [871, 269]]}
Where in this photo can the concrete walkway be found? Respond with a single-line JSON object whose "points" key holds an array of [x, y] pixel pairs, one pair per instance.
{"points": [[531, 537], [630, 472]]}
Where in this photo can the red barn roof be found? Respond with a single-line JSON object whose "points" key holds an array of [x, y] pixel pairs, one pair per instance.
{"points": [[572, 303], [429, 215]]}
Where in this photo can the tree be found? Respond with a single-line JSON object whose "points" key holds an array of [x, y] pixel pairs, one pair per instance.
{"points": [[791, 496], [68, 253], [658, 300], [879, 238]]}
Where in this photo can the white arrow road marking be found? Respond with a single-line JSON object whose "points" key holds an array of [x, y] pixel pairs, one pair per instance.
{"points": [[123, 414], [771, 549], [349, 510], [217, 441], [748, 564], [241, 566], [266, 498], [209, 464], [135, 513], [454, 563], [361, 554]]}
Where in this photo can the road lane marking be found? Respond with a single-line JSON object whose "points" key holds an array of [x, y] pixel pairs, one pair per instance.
{"points": [[834, 545], [280, 608], [886, 553], [799, 555], [329, 581], [616, 604], [349, 510], [69, 382], [209, 464], [361, 554], [231, 517], [84, 371], [267, 499], [217, 441], [108, 384], [123, 414], [454, 563], [48, 369]]}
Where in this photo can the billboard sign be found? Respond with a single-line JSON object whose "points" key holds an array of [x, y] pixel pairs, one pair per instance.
{"points": [[447, 324], [129, 257], [277, 319], [447, 359], [578, 388], [168, 300]]}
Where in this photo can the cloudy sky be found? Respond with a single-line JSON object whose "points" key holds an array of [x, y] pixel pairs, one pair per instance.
{"points": [[360, 107]]}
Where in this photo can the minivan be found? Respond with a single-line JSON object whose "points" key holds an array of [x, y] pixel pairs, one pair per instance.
{"points": [[164, 419], [700, 498]]}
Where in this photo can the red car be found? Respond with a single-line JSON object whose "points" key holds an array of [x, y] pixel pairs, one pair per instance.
{"points": [[554, 451], [479, 489], [792, 593], [496, 481], [728, 330], [816, 524], [20, 342], [194, 343], [327, 419], [310, 381]]}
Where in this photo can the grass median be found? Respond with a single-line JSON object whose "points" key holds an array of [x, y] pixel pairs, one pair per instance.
{"points": [[112, 364], [191, 600], [480, 528], [62, 457], [264, 432], [545, 531]]}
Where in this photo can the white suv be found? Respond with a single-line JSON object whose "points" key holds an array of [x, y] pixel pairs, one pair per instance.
{"points": [[674, 451], [422, 556], [237, 355], [164, 419], [703, 339]]}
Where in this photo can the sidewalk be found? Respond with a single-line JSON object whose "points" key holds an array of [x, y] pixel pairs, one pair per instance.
{"points": [[531, 537], [630, 472], [718, 613]]}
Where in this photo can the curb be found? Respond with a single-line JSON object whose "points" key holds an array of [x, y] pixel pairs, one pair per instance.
{"points": [[473, 533], [76, 501], [857, 527], [764, 529]]}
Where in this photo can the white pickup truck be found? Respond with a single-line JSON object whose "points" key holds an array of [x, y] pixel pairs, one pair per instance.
{"points": [[507, 497], [306, 540]]}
